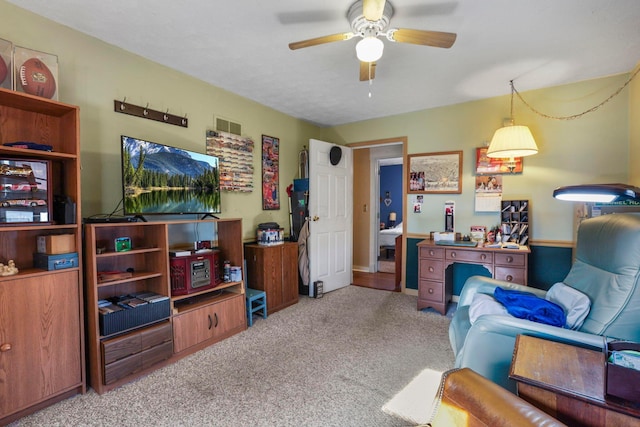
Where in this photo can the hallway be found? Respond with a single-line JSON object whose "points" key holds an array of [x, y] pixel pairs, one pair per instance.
{"points": [[380, 281]]}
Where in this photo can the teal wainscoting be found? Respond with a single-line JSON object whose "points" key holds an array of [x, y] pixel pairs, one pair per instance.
{"points": [[412, 263], [547, 265]]}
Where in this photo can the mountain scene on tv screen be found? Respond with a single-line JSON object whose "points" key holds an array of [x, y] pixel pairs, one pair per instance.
{"points": [[167, 180]]}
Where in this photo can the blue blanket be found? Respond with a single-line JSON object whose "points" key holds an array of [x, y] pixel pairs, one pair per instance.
{"points": [[525, 305]]}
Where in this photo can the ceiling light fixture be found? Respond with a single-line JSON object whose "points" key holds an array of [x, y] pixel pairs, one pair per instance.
{"points": [[598, 193], [511, 141], [370, 48]]}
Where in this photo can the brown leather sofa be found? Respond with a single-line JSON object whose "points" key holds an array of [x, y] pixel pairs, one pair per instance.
{"points": [[468, 399]]}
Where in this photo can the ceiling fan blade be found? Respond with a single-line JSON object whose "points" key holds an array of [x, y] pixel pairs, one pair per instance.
{"points": [[373, 9], [367, 72], [426, 38], [320, 40]]}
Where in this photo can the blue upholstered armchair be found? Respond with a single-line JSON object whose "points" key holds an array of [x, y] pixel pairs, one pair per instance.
{"points": [[606, 269]]}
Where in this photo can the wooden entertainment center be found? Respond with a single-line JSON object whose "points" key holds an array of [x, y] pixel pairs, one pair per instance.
{"points": [[191, 322]]}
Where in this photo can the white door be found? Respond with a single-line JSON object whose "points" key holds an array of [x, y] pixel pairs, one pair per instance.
{"points": [[331, 216]]}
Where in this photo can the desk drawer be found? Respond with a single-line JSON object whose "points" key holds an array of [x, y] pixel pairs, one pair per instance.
{"points": [[431, 269], [432, 291], [514, 275], [473, 256], [510, 259], [431, 253]]}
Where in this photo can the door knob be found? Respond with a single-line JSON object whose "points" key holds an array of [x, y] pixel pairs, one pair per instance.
{"points": [[316, 217]]}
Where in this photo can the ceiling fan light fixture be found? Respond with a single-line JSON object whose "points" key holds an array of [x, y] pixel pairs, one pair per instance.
{"points": [[369, 49]]}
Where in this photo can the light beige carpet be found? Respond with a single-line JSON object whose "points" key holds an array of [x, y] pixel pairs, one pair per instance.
{"points": [[331, 361], [387, 266], [414, 403]]}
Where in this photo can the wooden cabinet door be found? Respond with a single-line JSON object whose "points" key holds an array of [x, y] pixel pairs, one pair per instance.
{"points": [[213, 321], [290, 273], [230, 315], [264, 269], [193, 327], [40, 339]]}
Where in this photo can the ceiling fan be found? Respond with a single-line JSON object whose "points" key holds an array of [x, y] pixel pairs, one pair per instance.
{"points": [[369, 20]]}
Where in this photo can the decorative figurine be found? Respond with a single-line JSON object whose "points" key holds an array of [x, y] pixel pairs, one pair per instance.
{"points": [[8, 270]]}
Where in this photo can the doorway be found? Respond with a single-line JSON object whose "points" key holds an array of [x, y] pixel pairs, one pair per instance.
{"points": [[368, 222]]}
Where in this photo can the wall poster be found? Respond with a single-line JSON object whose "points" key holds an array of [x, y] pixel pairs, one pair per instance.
{"points": [[270, 173], [235, 154], [494, 165]]}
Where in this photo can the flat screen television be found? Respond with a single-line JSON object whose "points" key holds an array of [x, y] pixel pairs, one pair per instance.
{"points": [[158, 179]]}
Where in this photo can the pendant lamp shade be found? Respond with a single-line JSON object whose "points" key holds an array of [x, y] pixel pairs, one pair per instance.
{"points": [[512, 141]]}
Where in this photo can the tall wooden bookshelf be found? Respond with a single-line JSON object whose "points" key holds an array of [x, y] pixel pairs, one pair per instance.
{"points": [[41, 311]]}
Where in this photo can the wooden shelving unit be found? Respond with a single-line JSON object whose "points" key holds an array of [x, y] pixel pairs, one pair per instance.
{"points": [[192, 321], [39, 309]]}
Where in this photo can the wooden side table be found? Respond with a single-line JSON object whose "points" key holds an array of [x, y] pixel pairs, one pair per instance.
{"points": [[567, 382]]}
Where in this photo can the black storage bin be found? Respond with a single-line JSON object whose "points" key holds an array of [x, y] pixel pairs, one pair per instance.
{"points": [[111, 323]]}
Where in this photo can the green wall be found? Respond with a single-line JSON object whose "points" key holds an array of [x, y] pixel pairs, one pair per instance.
{"points": [[591, 149], [92, 74], [634, 126]]}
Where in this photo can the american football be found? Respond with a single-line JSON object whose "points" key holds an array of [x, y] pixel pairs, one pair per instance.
{"points": [[37, 79], [3, 70]]}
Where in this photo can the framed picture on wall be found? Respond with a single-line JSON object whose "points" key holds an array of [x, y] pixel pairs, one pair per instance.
{"points": [[437, 173], [494, 165], [270, 173]]}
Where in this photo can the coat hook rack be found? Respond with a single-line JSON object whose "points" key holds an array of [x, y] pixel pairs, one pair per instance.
{"points": [[147, 113]]}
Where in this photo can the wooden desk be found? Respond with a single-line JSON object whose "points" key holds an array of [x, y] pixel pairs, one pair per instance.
{"points": [[567, 382], [434, 287]]}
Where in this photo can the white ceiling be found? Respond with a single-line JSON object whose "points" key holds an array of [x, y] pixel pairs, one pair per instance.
{"points": [[242, 46]]}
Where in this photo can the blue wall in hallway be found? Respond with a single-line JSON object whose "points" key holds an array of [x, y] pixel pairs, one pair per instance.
{"points": [[391, 181]]}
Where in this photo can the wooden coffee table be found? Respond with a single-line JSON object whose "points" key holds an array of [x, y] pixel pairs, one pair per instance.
{"points": [[567, 382]]}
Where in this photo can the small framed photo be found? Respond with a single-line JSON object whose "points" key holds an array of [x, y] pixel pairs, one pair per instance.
{"points": [[6, 64], [438, 173], [36, 72]]}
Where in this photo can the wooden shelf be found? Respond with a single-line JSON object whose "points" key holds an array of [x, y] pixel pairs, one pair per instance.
{"points": [[46, 306], [136, 276], [126, 253], [221, 286], [202, 300]]}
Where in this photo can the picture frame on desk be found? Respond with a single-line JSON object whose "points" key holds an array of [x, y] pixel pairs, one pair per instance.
{"points": [[435, 173]]}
